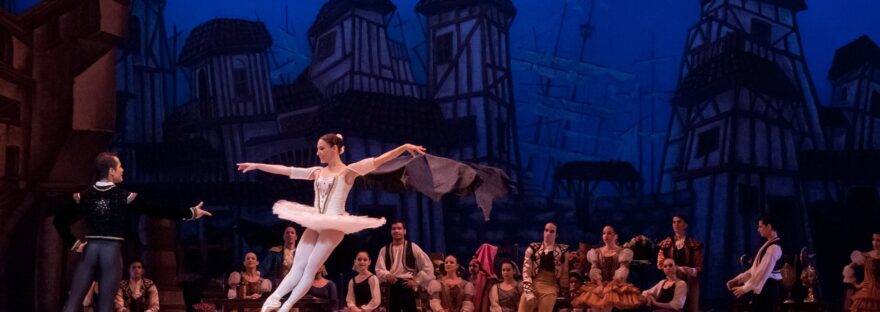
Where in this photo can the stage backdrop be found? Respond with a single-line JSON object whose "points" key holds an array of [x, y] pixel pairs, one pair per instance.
{"points": [[621, 112]]}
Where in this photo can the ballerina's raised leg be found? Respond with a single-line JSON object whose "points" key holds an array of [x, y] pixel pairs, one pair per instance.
{"points": [[326, 222], [327, 241], [300, 260]]}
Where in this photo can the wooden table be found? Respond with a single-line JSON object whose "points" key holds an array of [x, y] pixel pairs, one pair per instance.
{"points": [[307, 303]]}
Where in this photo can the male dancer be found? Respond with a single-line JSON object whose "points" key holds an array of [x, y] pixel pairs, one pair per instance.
{"points": [[403, 266], [104, 208], [763, 277]]}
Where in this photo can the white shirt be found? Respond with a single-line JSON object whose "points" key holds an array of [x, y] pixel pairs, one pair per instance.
{"points": [[424, 267], [679, 294], [754, 278]]}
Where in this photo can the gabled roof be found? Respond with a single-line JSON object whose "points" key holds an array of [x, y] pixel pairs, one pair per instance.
{"points": [[334, 9], [224, 36], [794, 5], [850, 57], [730, 69], [430, 7]]}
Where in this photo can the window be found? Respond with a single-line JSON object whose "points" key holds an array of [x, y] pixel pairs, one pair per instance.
{"points": [[761, 31], [707, 141], [5, 47], [202, 84], [443, 49], [502, 137], [13, 156], [875, 103], [240, 78], [10, 110], [326, 46]]}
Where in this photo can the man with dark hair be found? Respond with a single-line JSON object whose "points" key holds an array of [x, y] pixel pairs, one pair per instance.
{"points": [[763, 277], [688, 255], [105, 207], [279, 260], [404, 267]]}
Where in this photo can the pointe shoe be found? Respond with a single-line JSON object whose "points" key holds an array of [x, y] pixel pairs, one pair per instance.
{"points": [[272, 304]]}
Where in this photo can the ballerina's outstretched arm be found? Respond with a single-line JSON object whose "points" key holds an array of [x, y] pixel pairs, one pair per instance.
{"points": [[292, 172], [369, 164], [414, 150]]}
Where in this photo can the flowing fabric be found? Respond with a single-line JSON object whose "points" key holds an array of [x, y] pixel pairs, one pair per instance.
{"points": [[436, 176]]}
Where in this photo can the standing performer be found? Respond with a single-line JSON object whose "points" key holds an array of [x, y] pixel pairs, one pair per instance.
{"points": [[405, 267], [327, 221], [279, 260], [688, 255], [544, 272], [867, 295], [105, 208], [763, 277]]}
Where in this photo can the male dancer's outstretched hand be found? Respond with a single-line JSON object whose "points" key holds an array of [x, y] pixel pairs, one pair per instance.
{"points": [[198, 212]]}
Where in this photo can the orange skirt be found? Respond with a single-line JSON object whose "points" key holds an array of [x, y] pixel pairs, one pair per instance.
{"points": [[866, 299], [613, 295]]}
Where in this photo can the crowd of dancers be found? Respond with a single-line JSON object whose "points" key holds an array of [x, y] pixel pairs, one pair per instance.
{"points": [[588, 280]]}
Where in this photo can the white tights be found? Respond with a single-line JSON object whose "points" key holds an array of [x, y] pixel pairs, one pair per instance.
{"points": [[313, 249]]}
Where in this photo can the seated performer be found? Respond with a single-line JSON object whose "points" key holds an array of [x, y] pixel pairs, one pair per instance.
{"points": [[668, 295], [451, 293], [607, 287], [137, 294], [575, 286], [504, 295], [363, 289], [688, 255], [323, 288], [248, 284]]}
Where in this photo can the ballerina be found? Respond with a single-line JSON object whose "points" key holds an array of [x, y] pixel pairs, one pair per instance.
{"points": [[327, 221]]}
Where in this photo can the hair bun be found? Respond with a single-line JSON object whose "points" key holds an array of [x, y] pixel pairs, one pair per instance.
{"points": [[339, 135]]}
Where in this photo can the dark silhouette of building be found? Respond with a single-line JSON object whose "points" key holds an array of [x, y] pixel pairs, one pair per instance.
{"points": [[745, 107], [57, 108]]}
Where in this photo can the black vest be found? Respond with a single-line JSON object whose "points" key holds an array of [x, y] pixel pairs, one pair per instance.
{"points": [[409, 260], [777, 267]]}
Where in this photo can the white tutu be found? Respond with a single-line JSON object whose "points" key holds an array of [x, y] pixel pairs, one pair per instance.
{"points": [[309, 217]]}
